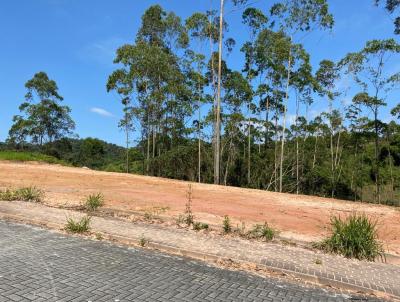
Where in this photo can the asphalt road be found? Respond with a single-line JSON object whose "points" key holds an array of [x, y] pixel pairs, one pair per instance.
{"points": [[40, 265]]}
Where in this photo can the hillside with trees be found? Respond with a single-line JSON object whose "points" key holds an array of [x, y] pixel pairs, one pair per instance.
{"points": [[196, 118]]}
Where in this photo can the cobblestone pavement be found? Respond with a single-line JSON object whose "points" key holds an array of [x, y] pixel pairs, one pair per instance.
{"points": [[39, 265], [366, 275]]}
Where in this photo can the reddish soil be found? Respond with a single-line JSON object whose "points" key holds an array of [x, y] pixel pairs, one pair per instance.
{"points": [[295, 216]]}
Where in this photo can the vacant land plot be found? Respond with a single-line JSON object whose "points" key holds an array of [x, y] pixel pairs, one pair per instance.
{"points": [[295, 216]]}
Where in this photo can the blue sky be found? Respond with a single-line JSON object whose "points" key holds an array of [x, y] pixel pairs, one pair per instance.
{"points": [[74, 41]]}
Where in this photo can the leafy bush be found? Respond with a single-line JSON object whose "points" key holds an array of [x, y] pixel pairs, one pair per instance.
{"points": [[79, 226], [354, 237], [197, 226], [94, 201], [32, 194], [262, 231], [226, 225]]}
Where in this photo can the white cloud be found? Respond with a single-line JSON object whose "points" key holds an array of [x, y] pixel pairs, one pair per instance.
{"points": [[101, 111], [101, 51]]}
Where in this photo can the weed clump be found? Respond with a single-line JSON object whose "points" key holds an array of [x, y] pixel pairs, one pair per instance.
{"points": [[143, 241], [226, 225], [189, 217], [353, 237], [78, 226], [198, 226], [262, 231], [94, 201], [31, 194]]}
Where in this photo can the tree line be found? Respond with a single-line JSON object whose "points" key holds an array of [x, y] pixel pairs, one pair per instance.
{"points": [[195, 118]]}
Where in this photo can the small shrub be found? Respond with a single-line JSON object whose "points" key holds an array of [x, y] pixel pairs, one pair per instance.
{"points": [[180, 220], [80, 226], [197, 226], [31, 194], [354, 237], [99, 236], [226, 225], [94, 201], [262, 231], [241, 231], [148, 216], [189, 217], [318, 261], [143, 241]]}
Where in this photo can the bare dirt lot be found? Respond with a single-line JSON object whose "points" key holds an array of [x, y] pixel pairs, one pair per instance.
{"points": [[295, 216]]}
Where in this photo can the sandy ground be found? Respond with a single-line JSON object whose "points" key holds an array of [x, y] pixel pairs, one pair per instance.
{"points": [[295, 216]]}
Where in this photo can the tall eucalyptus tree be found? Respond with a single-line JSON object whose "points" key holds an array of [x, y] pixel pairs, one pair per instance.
{"points": [[294, 16], [256, 21], [370, 71]]}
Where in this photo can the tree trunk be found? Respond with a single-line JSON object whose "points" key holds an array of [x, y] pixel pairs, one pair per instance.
{"points": [[199, 145], [148, 150], [249, 149], [377, 180], [297, 145], [127, 140], [266, 124], [315, 151], [284, 120], [218, 111], [276, 153]]}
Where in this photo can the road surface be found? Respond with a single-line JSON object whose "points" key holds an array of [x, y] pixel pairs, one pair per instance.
{"points": [[40, 265]]}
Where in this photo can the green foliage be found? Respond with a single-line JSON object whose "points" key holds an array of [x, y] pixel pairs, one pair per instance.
{"points": [[43, 119], [78, 226], [31, 194], [226, 225], [198, 226], [354, 237], [91, 153], [30, 156], [94, 201], [8, 195], [391, 6], [262, 231]]}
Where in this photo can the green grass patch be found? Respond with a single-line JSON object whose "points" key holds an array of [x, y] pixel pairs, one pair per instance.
{"points": [[94, 201], [353, 237], [31, 194], [198, 226], [78, 226], [30, 156]]}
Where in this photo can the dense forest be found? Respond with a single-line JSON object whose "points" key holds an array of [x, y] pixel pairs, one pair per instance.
{"points": [[195, 118]]}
